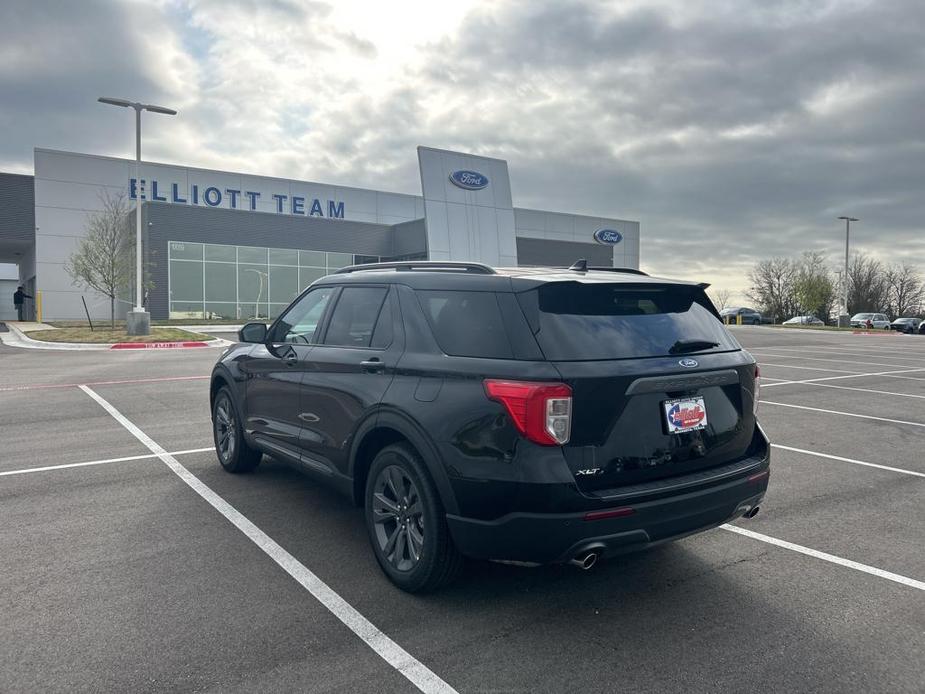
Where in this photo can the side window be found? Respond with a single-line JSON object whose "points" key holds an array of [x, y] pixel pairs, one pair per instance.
{"points": [[382, 334], [299, 324], [467, 324], [355, 316]]}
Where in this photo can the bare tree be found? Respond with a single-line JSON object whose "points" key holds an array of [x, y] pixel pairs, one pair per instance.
{"points": [[720, 298], [868, 289], [772, 287], [906, 290], [104, 258]]}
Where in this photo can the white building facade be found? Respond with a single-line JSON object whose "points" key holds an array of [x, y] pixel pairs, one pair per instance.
{"points": [[235, 245]]}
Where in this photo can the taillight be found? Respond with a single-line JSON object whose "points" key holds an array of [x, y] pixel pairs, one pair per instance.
{"points": [[542, 412], [757, 390]]}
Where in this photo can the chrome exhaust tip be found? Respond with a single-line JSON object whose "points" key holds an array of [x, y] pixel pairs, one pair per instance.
{"points": [[752, 512], [585, 560]]}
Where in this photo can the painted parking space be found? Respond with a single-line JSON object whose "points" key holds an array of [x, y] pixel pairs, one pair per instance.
{"points": [[695, 615]]}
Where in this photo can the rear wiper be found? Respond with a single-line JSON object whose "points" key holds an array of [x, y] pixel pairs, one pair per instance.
{"points": [[685, 346]]}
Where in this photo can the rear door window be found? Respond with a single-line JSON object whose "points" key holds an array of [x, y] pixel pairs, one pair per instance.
{"points": [[585, 321], [467, 324], [355, 315]]}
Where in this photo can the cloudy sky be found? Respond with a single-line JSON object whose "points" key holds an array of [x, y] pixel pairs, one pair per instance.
{"points": [[732, 130]]}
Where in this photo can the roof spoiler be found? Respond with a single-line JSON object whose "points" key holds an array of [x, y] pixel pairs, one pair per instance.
{"points": [[581, 265]]}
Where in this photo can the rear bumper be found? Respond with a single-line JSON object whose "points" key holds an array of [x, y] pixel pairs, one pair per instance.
{"points": [[548, 538]]}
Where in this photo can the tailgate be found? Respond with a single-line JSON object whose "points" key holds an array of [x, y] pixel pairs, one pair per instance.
{"points": [[620, 431]]}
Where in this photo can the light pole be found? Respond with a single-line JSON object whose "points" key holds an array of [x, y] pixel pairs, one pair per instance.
{"points": [[848, 221], [138, 321]]}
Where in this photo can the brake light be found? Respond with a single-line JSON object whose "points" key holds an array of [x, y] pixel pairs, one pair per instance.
{"points": [[757, 390], [542, 412]]}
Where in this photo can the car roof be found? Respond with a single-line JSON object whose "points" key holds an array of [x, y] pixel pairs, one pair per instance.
{"points": [[478, 277]]}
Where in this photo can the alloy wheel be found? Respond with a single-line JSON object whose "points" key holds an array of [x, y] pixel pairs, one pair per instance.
{"points": [[224, 430], [398, 518]]}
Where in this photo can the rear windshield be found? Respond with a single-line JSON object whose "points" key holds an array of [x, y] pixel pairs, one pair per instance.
{"points": [[575, 321]]}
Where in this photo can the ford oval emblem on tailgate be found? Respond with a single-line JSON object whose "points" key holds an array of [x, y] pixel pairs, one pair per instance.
{"points": [[688, 363]]}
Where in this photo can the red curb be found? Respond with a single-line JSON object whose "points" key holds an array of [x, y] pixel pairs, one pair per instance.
{"points": [[157, 345]]}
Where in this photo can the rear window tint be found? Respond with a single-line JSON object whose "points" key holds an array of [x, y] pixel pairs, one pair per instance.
{"points": [[466, 324], [575, 321]]}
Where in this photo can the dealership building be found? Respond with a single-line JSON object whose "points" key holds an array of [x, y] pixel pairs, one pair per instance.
{"points": [[240, 246]]}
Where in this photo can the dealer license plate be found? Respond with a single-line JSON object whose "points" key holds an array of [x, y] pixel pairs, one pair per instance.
{"points": [[685, 414]]}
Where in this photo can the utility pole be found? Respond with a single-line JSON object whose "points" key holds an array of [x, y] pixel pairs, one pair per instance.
{"points": [[848, 221], [138, 321]]}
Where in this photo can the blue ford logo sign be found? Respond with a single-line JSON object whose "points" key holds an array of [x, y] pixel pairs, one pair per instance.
{"points": [[609, 237], [470, 180], [688, 363]]}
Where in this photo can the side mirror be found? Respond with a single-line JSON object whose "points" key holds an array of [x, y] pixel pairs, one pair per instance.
{"points": [[253, 332]]}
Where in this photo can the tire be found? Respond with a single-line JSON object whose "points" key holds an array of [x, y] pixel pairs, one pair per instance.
{"points": [[404, 517], [233, 452]]}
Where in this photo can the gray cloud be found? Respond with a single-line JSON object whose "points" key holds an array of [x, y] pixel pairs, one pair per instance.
{"points": [[732, 130]]}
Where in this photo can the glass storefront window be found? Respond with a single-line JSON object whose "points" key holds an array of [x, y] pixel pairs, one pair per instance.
{"points": [[280, 256], [244, 282], [338, 260], [248, 254], [184, 250], [284, 284], [185, 280], [307, 275], [252, 283], [226, 254], [185, 309], [312, 259], [220, 282], [221, 310]]}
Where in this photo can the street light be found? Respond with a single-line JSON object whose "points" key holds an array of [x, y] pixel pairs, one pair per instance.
{"points": [[848, 221], [140, 323]]}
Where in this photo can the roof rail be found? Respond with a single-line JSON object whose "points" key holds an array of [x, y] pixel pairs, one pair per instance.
{"points": [[581, 265], [422, 265]]}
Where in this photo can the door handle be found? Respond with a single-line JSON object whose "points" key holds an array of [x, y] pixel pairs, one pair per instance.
{"points": [[372, 364]]}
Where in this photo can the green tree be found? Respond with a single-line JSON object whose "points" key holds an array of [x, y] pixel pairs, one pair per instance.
{"points": [[813, 286], [104, 257]]}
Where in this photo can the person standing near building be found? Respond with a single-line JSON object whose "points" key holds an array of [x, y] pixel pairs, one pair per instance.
{"points": [[19, 296]]}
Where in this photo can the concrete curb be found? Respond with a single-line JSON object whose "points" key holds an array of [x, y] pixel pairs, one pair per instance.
{"points": [[17, 338]]}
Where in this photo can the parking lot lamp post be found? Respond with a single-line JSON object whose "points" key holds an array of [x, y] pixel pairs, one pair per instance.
{"points": [[138, 320], [848, 221]]}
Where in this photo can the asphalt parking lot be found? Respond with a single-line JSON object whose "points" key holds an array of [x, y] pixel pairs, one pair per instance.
{"points": [[132, 562]]}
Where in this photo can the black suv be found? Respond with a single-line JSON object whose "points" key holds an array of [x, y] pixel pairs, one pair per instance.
{"points": [[530, 414]]}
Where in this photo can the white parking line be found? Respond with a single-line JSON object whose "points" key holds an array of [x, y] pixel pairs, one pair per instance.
{"points": [[803, 357], [909, 356], [844, 414], [46, 468], [886, 374], [861, 390], [42, 386], [396, 656], [848, 460], [763, 364], [857, 566]]}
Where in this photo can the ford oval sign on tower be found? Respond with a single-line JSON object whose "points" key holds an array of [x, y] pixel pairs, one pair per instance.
{"points": [[470, 180], [609, 237]]}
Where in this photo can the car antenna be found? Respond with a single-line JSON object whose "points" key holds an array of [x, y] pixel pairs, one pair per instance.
{"points": [[580, 265]]}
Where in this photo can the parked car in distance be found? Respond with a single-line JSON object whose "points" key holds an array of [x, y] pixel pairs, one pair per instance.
{"points": [[803, 320], [879, 321], [906, 325], [749, 315], [922, 328], [532, 415]]}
